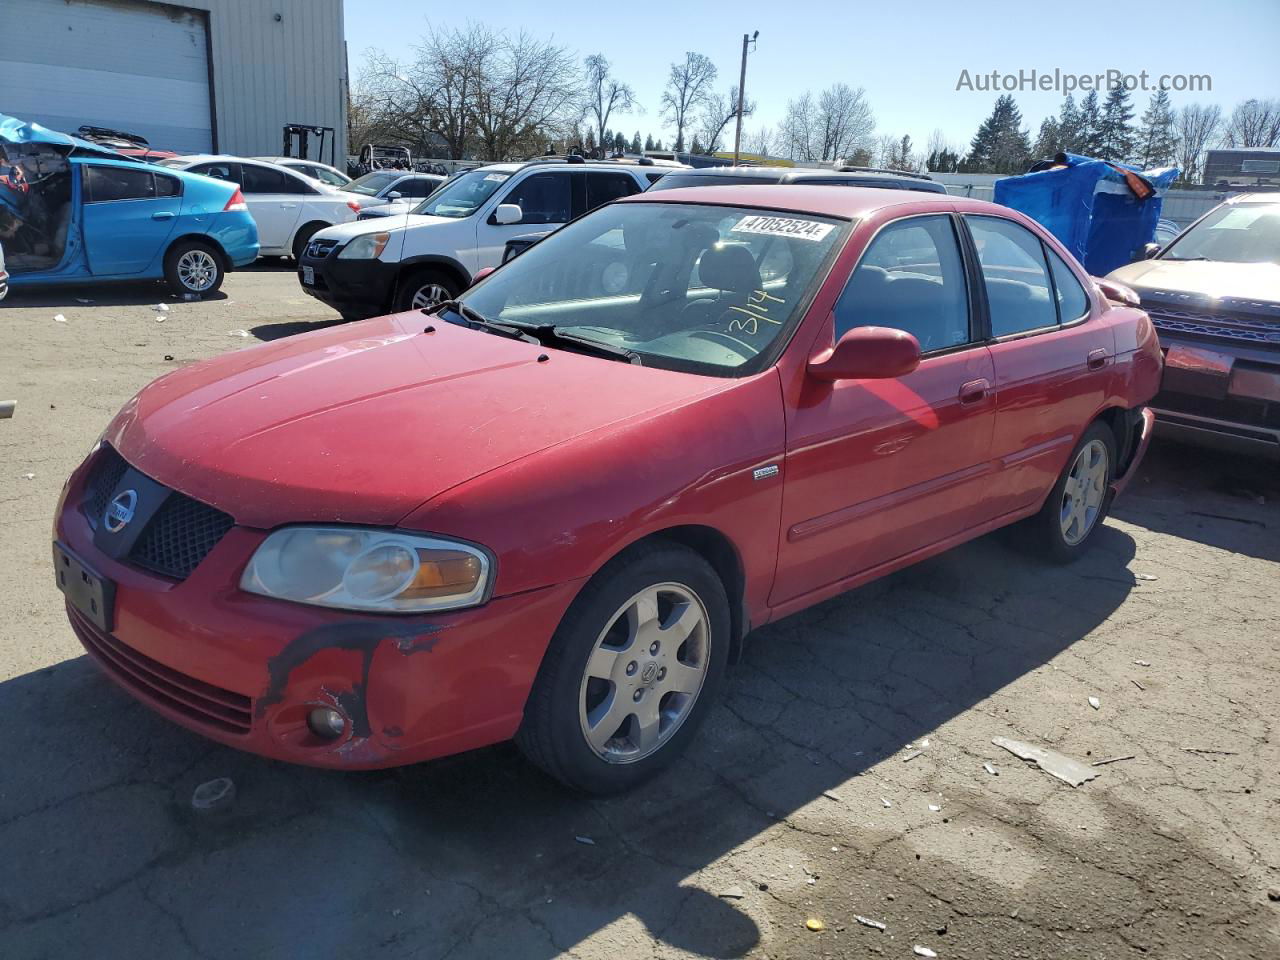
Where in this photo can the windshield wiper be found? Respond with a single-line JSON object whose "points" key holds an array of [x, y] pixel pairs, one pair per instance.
{"points": [[1185, 259], [476, 319], [549, 335]]}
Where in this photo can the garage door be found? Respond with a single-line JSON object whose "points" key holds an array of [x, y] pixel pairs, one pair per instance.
{"points": [[128, 65]]}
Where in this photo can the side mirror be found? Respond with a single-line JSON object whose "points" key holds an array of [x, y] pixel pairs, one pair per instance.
{"points": [[481, 274], [508, 213], [394, 195], [868, 353], [1117, 292], [1149, 250]]}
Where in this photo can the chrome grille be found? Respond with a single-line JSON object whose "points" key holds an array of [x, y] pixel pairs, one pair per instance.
{"points": [[1245, 329], [320, 249]]}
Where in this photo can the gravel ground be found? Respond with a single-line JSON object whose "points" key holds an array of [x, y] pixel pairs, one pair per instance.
{"points": [[800, 802]]}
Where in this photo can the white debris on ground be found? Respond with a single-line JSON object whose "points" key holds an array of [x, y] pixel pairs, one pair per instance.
{"points": [[1055, 764]]}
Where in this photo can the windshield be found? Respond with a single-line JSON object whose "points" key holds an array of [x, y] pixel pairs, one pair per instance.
{"points": [[463, 195], [1236, 233], [371, 183], [705, 289]]}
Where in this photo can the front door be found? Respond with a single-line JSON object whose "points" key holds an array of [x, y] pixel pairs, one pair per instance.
{"points": [[879, 469], [546, 200], [129, 213]]}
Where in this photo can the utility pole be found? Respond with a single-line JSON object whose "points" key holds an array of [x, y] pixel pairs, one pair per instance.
{"points": [[742, 92]]}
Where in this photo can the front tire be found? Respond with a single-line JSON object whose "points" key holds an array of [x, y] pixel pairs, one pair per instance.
{"points": [[1078, 502], [631, 672], [423, 289], [193, 267]]}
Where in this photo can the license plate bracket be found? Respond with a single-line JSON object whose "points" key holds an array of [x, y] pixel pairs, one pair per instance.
{"points": [[309, 276], [85, 589]]}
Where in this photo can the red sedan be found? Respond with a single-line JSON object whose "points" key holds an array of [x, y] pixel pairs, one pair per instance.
{"points": [[552, 509]]}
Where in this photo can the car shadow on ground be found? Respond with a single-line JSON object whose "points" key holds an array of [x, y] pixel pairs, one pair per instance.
{"points": [[128, 294], [289, 328], [1238, 498], [480, 855]]}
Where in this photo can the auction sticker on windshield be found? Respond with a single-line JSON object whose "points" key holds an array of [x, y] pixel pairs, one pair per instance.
{"points": [[498, 177], [783, 227]]}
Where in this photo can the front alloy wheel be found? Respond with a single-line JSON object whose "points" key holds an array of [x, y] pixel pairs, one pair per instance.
{"points": [[645, 674], [632, 670]]}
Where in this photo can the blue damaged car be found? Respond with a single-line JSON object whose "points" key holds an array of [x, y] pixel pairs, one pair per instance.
{"points": [[72, 211]]}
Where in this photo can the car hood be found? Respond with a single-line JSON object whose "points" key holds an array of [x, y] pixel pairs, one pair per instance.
{"points": [[348, 231], [1183, 280], [365, 422]]}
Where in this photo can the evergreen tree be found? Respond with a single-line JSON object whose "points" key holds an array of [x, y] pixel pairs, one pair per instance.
{"points": [[589, 144], [697, 146], [1048, 140], [1000, 145], [648, 142], [1090, 120], [635, 143], [1070, 138], [1156, 142], [658, 145], [1115, 134]]}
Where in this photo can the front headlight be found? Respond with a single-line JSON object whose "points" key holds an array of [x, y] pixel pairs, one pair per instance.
{"points": [[378, 570], [367, 247]]}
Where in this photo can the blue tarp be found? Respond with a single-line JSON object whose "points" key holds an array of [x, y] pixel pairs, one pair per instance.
{"points": [[1094, 207]]}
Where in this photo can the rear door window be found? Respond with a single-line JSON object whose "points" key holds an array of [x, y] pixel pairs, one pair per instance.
{"points": [[1073, 302], [1019, 296], [603, 187], [168, 186], [543, 198], [106, 184], [264, 180]]}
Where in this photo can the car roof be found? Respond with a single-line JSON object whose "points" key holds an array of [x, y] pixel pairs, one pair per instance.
{"points": [[599, 165], [1254, 198], [850, 203]]}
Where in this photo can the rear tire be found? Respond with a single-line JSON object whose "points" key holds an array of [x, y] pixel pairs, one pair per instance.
{"points": [[1078, 502], [193, 267], [422, 289], [631, 671]]}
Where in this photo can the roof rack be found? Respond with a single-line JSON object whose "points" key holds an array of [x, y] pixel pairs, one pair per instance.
{"points": [[557, 158], [897, 173]]}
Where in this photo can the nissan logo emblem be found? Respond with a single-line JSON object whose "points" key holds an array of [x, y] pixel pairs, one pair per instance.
{"points": [[120, 511]]}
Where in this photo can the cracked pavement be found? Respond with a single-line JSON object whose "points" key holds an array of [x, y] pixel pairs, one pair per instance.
{"points": [[797, 801]]}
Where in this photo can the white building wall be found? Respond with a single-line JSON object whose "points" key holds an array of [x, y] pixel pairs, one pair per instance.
{"points": [[269, 72]]}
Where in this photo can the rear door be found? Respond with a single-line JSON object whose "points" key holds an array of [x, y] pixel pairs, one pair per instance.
{"points": [[129, 214], [878, 469], [1052, 359], [275, 200]]}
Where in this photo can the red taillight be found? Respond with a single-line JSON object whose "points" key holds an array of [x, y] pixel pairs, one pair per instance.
{"points": [[355, 207], [235, 203]]}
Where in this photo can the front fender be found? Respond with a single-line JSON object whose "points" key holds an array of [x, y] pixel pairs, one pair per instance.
{"points": [[562, 513]]}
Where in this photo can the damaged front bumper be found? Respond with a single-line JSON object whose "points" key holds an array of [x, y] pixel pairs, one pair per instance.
{"points": [[246, 671]]}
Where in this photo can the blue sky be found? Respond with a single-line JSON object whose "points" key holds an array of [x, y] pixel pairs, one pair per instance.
{"points": [[908, 56]]}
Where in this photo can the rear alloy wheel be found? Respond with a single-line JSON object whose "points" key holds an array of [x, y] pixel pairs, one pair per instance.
{"points": [[191, 267], [423, 290], [631, 671], [1078, 503]]}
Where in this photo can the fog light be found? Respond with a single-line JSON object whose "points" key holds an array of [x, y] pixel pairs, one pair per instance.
{"points": [[326, 723]]}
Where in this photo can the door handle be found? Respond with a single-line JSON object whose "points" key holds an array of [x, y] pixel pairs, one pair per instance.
{"points": [[975, 390], [1097, 359], [163, 215], [288, 206]]}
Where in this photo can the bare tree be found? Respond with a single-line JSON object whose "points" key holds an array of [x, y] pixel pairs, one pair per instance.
{"points": [[1196, 126], [886, 151], [834, 126], [605, 93], [1254, 123], [687, 89], [938, 142], [718, 112], [472, 90], [759, 142]]}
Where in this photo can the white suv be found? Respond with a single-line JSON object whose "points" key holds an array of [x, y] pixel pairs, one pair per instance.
{"points": [[288, 207], [370, 267]]}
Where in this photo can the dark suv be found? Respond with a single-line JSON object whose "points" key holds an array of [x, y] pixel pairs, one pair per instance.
{"points": [[845, 177]]}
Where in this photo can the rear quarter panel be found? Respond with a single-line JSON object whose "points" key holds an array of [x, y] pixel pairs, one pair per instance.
{"points": [[203, 200]]}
